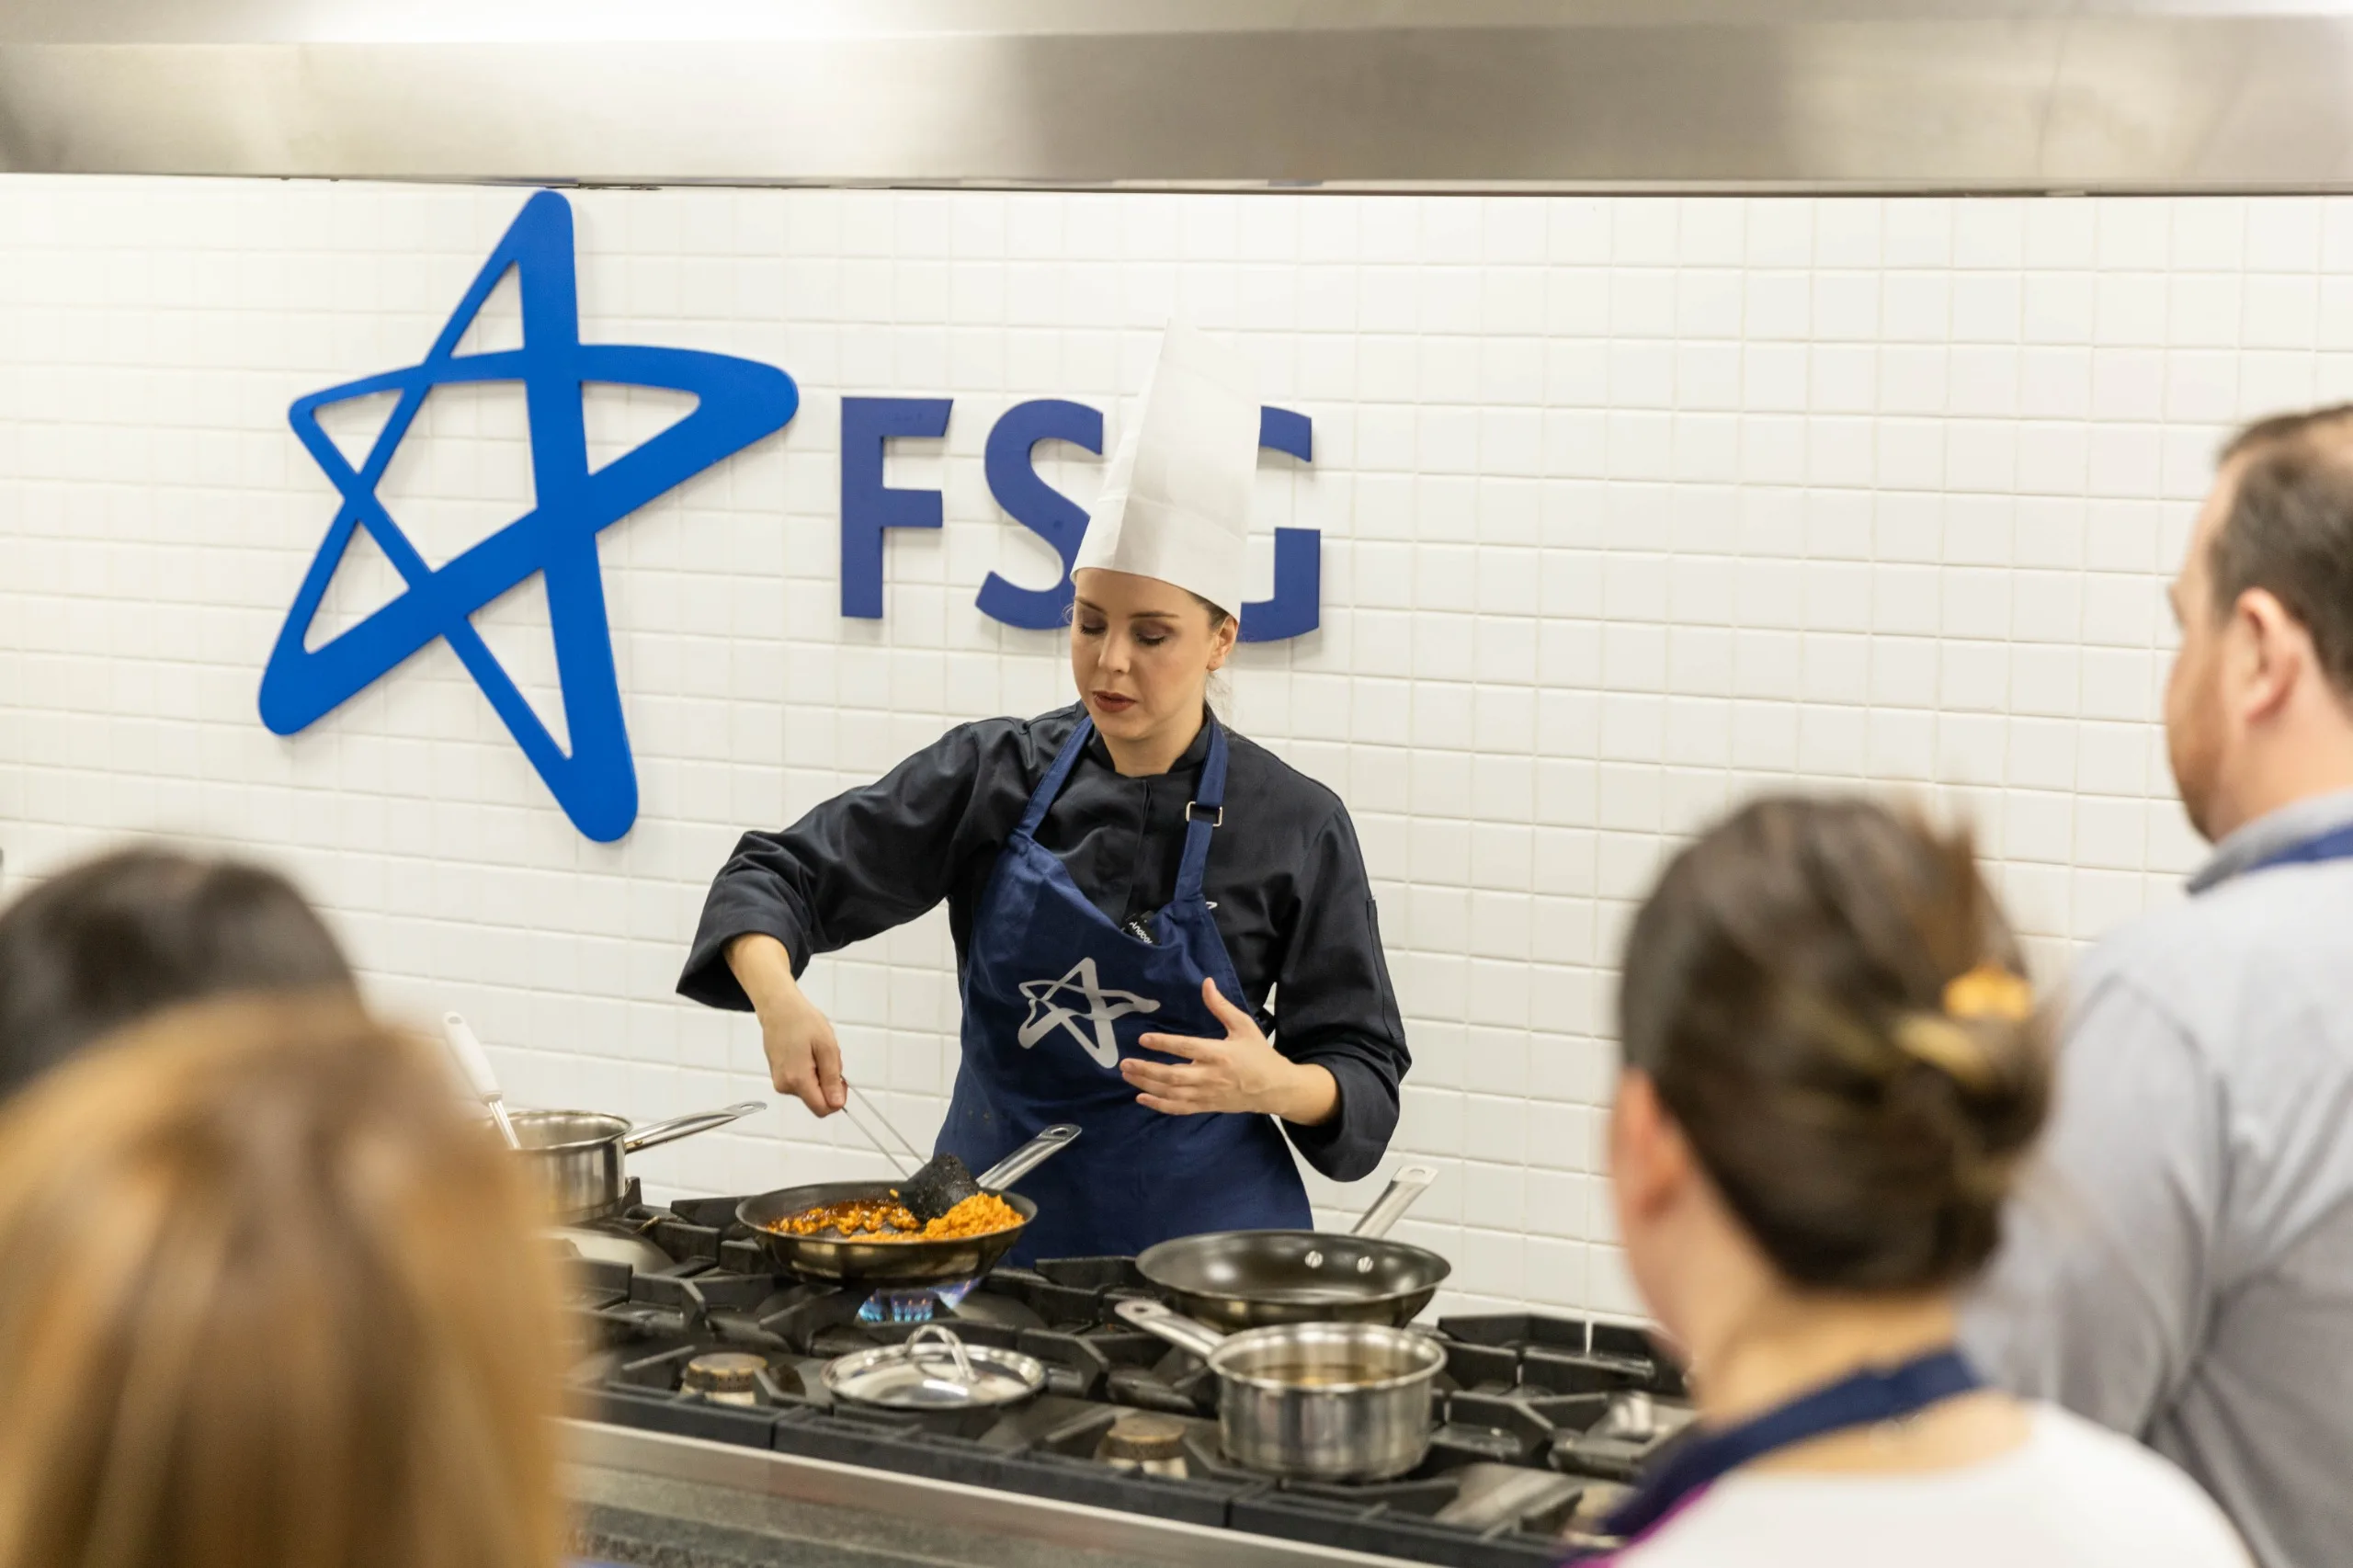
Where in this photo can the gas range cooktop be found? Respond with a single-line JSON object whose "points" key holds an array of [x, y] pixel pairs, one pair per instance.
{"points": [[686, 1329]]}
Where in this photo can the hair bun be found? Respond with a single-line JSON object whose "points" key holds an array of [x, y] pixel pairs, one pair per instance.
{"points": [[1831, 1004]]}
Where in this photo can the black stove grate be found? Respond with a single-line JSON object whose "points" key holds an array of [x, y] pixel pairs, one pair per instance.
{"points": [[1524, 1396]]}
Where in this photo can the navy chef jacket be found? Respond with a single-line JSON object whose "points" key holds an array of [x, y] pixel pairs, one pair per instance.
{"points": [[1286, 877]]}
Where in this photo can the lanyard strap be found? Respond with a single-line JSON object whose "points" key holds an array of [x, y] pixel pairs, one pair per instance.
{"points": [[2336, 845], [1864, 1399]]}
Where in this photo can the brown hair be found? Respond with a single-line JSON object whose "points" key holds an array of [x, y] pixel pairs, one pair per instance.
{"points": [[2289, 529], [1786, 986], [119, 937], [269, 1299], [1219, 614], [1218, 691]]}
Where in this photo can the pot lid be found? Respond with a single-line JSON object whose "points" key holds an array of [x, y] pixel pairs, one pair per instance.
{"points": [[935, 1370]]}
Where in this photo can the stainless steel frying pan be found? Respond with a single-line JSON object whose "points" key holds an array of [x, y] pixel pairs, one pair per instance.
{"points": [[835, 1258], [1238, 1279]]}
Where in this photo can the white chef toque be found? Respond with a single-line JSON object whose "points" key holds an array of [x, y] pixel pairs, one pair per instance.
{"points": [[1175, 501]]}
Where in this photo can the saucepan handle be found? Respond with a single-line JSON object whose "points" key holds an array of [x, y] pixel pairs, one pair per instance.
{"points": [[1028, 1157], [680, 1127], [1184, 1332], [1408, 1184]]}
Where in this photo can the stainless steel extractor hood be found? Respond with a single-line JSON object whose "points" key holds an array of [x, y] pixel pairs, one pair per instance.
{"points": [[1233, 94]]}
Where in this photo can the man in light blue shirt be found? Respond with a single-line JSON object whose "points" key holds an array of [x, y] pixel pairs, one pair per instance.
{"points": [[2181, 1268]]}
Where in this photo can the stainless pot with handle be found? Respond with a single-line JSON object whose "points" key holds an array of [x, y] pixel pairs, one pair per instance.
{"points": [[577, 1158], [1317, 1401]]}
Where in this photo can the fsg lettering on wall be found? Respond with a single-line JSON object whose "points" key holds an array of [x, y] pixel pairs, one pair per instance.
{"points": [[868, 507], [739, 402]]}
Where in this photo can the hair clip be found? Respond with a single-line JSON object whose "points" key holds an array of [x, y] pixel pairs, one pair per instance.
{"points": [[1989, 990]]}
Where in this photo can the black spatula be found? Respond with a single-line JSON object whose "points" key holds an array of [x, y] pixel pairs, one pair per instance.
{"points": [[944, 1181], [937, 1185]]}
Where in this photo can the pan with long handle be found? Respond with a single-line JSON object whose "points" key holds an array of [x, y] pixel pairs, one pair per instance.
{"points": [[576, 1157], [1238, 1279], [865, 1262]]}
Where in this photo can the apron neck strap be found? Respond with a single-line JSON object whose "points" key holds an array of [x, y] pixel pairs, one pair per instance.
{"points": [[1861, 1399], [1056, 777], [1203, 814]]}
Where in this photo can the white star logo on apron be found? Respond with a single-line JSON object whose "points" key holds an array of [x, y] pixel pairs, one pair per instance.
{"points": [[1046, 1015]]}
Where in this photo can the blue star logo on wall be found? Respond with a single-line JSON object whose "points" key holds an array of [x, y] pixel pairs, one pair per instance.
{"points": [[739, 400]]}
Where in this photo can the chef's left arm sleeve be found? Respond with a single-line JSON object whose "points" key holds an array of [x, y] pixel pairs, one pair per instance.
{"points": [[1334, 1007], [2096, 1299]]}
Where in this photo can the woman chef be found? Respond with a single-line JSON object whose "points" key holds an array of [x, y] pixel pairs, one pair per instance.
{"points": [[1163, 933]]}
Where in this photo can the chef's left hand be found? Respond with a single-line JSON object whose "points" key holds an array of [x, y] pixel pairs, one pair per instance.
{"points": [[1243, 1072]]}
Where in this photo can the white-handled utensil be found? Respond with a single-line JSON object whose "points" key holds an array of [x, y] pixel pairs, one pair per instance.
{"points": [[475, 1061]]}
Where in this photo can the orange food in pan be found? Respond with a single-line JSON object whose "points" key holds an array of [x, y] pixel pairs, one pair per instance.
{"points": [[885, 1220], [854, 1217], [979, 1215]]}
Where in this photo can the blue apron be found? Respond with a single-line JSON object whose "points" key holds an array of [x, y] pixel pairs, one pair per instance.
{"points": [[1055, 994], [1862, 1399]]}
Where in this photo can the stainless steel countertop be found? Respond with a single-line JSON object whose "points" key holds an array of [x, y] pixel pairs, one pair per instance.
{"points": [[634, 1520], [655, 1501]]}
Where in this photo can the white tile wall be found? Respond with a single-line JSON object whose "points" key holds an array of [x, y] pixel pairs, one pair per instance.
{"points": [[1631, 506]]}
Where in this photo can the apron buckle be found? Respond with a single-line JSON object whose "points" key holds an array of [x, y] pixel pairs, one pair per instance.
{"points": [[1192, 806]]}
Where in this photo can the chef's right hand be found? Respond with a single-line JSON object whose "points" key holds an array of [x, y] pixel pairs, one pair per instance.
{"points": [[804, 1058]]}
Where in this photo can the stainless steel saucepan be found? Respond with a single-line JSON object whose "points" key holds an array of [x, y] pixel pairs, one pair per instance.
{"points": [[1238, 1279], [577, 1157], [1318, 1401]]}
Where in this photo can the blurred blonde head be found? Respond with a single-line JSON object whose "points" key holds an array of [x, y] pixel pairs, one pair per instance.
{"points": [[269, 1299]]}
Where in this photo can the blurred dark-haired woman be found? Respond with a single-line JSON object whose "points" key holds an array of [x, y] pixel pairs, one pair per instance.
{"points": [[1833, 1070], [105, 943]]}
